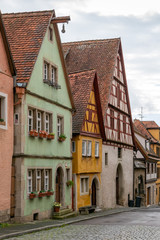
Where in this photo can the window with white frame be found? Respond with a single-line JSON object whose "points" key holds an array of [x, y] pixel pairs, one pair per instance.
{"points": [[29, 181], [39, 121], [47, 122], [84, 189], [30, 119], [3, 110], [89, 148], [53, 74], [84, 148], [59, 126], [38, 181], [96, 149], [46, 180], [46, 71]]}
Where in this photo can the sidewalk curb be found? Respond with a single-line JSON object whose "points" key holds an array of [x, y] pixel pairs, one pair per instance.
{"points": [[16, 234]]}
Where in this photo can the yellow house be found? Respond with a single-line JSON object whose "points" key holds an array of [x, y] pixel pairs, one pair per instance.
{"points": [[88, 132], [154, 130]]}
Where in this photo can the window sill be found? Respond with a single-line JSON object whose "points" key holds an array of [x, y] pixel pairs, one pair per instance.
{"points": [[55, 85]]}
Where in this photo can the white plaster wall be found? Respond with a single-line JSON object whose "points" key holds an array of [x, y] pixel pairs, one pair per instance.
{"points": [[109, 175]]}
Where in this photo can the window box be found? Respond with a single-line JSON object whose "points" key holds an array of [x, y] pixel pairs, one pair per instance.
{"points": [[42, 194], [2, 122], [49, 193], [42, 134], [50, 136], [69, 183], [62, 138], [32, 195], [33, 133]]}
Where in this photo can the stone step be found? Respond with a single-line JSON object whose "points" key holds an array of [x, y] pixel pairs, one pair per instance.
{"points": [[63, 211], [68, 215]]}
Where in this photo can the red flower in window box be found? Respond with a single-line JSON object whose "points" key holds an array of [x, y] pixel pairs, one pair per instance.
{"points": [[42, 194], [32, 195], [33, 133], [50, 136], [49, 193], [62, 138], [42, 134]]}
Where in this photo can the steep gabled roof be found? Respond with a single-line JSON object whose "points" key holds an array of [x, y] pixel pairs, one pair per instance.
{"points": [[96, 54], [81, 85], [150, 124], [25, 33], [143, 130], [7, 47]]}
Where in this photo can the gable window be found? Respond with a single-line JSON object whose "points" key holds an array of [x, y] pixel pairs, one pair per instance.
{"points": [[53, 75], [119, 152], [50, 34], [46, 71], [84, 189], [89, 149], [3, 110], [84, 148], [118, 67], [30, 119], [124, 124], [59, 126], [111, 119], [96, 149]]}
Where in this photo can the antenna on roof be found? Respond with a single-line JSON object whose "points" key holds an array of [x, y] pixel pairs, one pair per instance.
{"points": [[141, 114]]}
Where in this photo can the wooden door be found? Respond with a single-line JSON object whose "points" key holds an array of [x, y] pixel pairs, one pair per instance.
{"points": [[58, 186], [93, 193], [12, 192]]}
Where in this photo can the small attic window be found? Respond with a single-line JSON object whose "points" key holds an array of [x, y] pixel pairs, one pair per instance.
{"points": [[50, 34]]}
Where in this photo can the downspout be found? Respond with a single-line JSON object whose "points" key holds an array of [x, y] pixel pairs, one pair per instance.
{"points": [[20, 91]]}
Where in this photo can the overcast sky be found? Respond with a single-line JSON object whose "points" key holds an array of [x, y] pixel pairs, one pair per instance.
{"points": [[138, 25]]}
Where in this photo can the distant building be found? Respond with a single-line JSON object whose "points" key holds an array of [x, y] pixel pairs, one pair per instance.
{"points": [[145, 165]]}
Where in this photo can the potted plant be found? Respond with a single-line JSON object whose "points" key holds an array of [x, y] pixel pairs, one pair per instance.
{"points": [[62, 138], [33, 133], [32, 195], [2, 122], [56, 206], [49, 193], [42, 134], [42, 193], [69, 183], [50, 136]]}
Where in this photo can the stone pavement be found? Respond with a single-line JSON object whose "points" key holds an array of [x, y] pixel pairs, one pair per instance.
{"points": [[36, 226]]}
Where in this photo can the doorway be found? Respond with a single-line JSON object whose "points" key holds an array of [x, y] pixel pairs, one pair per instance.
{"points": [[119, 185], [59, 185], [94, 201]]}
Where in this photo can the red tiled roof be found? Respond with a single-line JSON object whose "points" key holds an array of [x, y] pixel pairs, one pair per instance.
{"points": [[81, 86], [25, 33], [96, 54], [150, 124], [141, 127]]}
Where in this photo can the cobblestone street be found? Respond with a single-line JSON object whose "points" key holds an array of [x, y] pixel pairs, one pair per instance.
{"points": [[96, 232], [138, 224]]}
